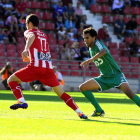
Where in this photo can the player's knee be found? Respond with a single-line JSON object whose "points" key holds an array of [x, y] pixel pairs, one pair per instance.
{"points": [[82, 87]]}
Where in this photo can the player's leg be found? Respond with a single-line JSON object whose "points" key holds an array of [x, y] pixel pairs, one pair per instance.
{"points": [[68, 100], [86, 88], [13, 82], [127, 90]]}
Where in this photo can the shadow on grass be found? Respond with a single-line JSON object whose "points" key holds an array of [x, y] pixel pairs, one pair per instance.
{"points": [[32, 97], [109, 122]]}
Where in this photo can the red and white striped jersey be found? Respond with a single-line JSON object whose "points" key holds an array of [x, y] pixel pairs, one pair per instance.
{"points": [[39, 50]]}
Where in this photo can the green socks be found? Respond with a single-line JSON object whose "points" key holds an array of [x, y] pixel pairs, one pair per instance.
{"points": [[88, 94], [136, 99]]}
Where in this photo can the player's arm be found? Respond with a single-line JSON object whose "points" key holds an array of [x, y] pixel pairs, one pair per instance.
{"points": [[29, 42], [101, 53]]}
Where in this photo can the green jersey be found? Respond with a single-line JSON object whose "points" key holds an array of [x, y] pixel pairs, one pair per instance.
{"points": [[106, 64]]}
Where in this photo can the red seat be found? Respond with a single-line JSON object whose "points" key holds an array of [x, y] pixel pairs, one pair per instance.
{"points": [[52, 42], [19, 53], [50, 36], [74, 73], [22, 65], [14, 64], [41, 25], [116, 58], [115, 18], [124, 62], [21, 40], [127, 74], [71, 42], [74, 65], [27, 3], [11, 53], [105, 9], [113, 45], [61, 42], [135, 10], [106, 19], [122, 45], [87, 73], [38, 14], [10, 47], [2, 47], [126, 19], [2, 62], [129, 39], [19, 34], [95, 74], [47, 15], [49, 26], [54, 55], [95, 8], [2, 53], [127, 10], [35, 4], [81, 43], [53, 48], [138, 20], [44, 5], [134, 60], [113, 51], [138, 41], [63, 72], [20, 46]]}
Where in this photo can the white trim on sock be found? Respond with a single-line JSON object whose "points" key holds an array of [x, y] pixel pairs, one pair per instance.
{"points": [[22, 100]]}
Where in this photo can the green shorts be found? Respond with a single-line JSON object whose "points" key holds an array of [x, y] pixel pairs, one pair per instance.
{"points": [[113, 81]]}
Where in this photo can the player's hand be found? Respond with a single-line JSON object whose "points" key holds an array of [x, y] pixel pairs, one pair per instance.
{"points": [[86, 63], [24, 54]]}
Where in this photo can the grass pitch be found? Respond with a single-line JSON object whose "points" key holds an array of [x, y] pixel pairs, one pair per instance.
{"points": [[48, 118]]}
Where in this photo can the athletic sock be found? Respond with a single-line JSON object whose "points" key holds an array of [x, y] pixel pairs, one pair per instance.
{"points": [[136, 99], [88, 94], [69, 101], [15, 88]]}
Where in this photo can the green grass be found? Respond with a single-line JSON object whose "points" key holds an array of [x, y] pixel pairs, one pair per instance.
{"points": [[48, 118]]}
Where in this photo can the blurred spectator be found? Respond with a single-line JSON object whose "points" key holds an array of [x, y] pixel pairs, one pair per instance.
{"points": [[62, 33], [59, 22], [134, 48], [83, 20], [118, 6], [80, 32], [65, 52], [84, 53], [11, 22], [135, 3], [66, 2], [58, 76], [70, 10], [88, 3], [70, 23], [54, 3], [7, 8], [6, 71], [75, 51], [131, 28], [59, 10], [12, 37], [21, 21], [71, 35], [4, 37], [21, 7], [120, 27], [127, 3], [126, 52], [103, 34], [79, 14], [37, 85], [13, 2]]}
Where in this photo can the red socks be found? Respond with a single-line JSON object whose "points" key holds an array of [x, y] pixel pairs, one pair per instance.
{"points": [[69, 101], [15, 88]]}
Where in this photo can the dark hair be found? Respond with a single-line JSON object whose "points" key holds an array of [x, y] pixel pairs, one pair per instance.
{"points": [[90, 31], [33, 19], [133, 16], [64, 45]]}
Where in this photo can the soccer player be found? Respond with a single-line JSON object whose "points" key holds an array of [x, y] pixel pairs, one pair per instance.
{"points": [[110, 74], [40, 67]]}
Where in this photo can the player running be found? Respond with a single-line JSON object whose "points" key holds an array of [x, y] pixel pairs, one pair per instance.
{"points": [[40, 67], [110, 74]]}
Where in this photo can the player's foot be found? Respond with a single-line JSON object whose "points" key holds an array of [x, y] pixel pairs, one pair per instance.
{"points": [[19, 105], [95, 113], [82, 116]]}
